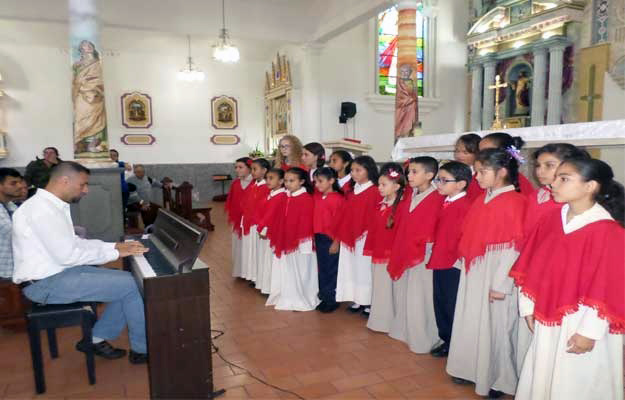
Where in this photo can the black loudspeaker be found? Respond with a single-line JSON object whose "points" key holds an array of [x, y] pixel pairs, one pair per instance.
{"points": [[348, 110]]}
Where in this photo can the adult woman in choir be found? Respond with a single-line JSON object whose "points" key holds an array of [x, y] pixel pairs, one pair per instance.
{"points": [[234, 209], [572, 280], [289, 153], [503, 141]]}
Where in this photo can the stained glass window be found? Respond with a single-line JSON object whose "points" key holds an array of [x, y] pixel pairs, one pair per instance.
{"points": [[387, 50]]}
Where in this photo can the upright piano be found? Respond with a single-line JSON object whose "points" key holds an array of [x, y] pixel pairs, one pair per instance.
{"points": [[177, 308]]}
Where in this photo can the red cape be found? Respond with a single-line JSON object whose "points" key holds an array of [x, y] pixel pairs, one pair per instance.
{"points": [[234, 204], [254, 200], [297, 224], [538, 207], [414, 231], [326, 211], [353, 220], [270, 217], [499, 223], [560, 271], [448, 233], [380, 239]]}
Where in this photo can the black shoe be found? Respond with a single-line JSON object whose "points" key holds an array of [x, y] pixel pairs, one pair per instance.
{"points": [[252, 284], [321, 305], [355, 309], [102, 349], [137, 358], [495, 394], [440, 351], [460, 381], [329, 308], [366, 310]]}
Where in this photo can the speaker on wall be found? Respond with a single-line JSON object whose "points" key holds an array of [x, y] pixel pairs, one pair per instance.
{"points": [[348, 110]]}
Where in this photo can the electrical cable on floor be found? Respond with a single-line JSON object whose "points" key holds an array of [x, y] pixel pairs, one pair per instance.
{"points": [[216, 351]]}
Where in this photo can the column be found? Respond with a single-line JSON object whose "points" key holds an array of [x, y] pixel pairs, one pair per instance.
{"points": [[406, 98], [488, 114], [554, 106], [538, 90], [477, 74], [89, 113], [311, 108]]}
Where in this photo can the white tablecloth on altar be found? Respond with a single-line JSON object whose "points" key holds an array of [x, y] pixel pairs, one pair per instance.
{"points": [[580, 132]]}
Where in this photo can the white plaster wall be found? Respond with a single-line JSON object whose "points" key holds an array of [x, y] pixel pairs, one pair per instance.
{"points": [[35, 67]]}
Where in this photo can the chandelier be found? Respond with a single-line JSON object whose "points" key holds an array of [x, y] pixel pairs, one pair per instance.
{"points": [[190, 73], [224, 50]]}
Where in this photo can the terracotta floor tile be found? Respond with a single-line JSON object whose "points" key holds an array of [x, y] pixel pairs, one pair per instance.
{"points": [[323, 375], [384, 391], [260, 391], [235, 393], [352, 394], [357, 381], [228, 382], [316, 390]]}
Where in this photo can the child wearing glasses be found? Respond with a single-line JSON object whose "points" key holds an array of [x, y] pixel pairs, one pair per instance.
{"points": [[414, 322], [452, 181], [289, 153]]}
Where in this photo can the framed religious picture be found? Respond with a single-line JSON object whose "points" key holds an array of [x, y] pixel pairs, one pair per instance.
{"points": [[136, 110], [225, 112]]}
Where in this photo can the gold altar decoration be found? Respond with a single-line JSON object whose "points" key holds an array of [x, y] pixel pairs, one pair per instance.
{"points": [[278, 102], [497, 123]]}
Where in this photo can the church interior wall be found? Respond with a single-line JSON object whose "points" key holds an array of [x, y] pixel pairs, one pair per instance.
{"points": [[36, 70]]}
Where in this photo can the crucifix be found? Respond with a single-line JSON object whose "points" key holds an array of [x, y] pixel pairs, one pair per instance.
{"points": [[497, 123], [591, 96]]}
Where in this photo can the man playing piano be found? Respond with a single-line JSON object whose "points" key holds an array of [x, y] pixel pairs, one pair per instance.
{"points": [[54, 266]]}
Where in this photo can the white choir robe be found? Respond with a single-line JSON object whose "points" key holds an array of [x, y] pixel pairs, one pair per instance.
{"points": [[299, 282], [414, 322], [265, 255], [275, 285], [550, 373], [483, 346], [249, 254], [237, 267], [354, 279]]}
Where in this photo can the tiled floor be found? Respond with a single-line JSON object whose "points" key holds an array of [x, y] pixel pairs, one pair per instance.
{"points": [[318, 356]]}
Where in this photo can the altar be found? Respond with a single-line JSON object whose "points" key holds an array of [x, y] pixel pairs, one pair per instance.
{"points": [[605, 140]]}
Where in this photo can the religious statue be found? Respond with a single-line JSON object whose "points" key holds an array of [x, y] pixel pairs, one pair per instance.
{"points": [[88, 99], [405, 102], [521, 94]]}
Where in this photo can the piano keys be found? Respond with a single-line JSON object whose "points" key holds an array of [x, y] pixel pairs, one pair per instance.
{"points": [[177, 309]]}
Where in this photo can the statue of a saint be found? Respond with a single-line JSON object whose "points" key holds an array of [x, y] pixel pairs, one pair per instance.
{"points": [[88, 99], [405, 102], [521, 94]]}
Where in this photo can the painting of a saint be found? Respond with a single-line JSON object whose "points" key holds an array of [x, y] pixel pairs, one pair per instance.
{"points": [[225, 113], [521, 90], [281, 115], [90, 139], [136, 111], [405, 102]]}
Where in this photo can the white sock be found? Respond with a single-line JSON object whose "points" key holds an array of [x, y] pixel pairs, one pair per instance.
{"points": [[355, 305], [96, 340]]}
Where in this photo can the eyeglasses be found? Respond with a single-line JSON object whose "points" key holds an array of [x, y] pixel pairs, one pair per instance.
{"points": [[443, 180], [284, 146]]}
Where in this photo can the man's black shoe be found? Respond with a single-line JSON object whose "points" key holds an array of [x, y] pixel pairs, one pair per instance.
{"points": [[495, 394], [137, 358], [460, 381], [321, 305], [440, 351], [102, 349], [329, 307]]}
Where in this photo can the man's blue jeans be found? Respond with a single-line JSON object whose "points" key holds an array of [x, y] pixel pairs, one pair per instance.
{"points": [[117, 288]]}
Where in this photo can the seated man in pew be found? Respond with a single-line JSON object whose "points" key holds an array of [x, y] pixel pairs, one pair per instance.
{"points": [[141, 198], [54, 266], [10, 190]]}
